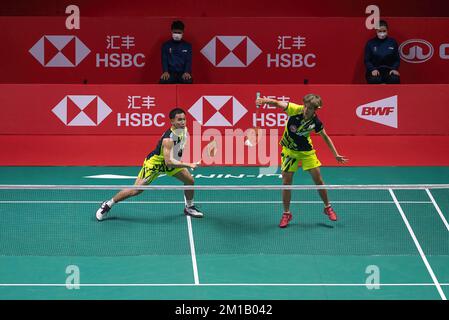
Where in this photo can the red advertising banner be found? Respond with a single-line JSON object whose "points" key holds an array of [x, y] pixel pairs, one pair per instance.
{"points": [[72, 124], [225, 50], [347, 109], [81, 109], [143, 109]]}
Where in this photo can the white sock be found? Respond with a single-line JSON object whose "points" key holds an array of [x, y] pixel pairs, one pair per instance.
{"points": [[110, 203], [328, 206], [189, 203]]}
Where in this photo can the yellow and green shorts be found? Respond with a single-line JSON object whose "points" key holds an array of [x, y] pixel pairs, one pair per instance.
{"points": [[153, 167], [291, 159]]}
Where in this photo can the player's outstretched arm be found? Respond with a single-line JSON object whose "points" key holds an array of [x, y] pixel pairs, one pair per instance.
{"points": [[170, 161], [330, 144], [272, 102]]}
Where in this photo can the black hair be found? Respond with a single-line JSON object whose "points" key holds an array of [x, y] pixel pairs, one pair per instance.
{"points": [[383, 23], [174, 112], [177, 25]]}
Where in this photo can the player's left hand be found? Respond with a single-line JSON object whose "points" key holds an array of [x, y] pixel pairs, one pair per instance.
{"points": [[186, 76], [341, 159], [194, 165], [395, 72]]}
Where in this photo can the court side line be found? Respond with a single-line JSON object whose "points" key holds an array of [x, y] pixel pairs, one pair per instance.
{"points": [[438, 209], [219, 284], [192, 251], [418, 246], [209, 202]]}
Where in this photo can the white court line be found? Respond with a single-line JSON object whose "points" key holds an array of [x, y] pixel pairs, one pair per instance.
{"points": [[220, 284], [438, 209], [209, 202], [418, 246], [192, 251]]}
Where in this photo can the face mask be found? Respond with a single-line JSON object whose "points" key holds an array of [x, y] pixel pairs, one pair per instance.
{"points": [[177, 36], [381, 35]]}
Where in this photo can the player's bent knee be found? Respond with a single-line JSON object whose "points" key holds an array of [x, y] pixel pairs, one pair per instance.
{"points": [[318, 179], [287, 178], [135, 192]]}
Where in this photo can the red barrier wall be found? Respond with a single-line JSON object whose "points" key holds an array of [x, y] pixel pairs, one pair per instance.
{"points": [[225, 50], [43, 150], [228, 8], [142, 109], [73, 124]]}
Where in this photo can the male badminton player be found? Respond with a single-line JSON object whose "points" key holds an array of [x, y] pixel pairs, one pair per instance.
{"points": [[165, 158], [297, 147]]}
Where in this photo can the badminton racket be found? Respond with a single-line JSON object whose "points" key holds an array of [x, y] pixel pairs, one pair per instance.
{"points": [[253, 134]]}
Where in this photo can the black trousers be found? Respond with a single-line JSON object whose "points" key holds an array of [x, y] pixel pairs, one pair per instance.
{"points": [[383, 77]]}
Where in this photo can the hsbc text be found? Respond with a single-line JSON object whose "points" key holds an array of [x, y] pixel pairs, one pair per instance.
{"points": [[140, 119], [124, 60], [270, 120], [295, 60]]}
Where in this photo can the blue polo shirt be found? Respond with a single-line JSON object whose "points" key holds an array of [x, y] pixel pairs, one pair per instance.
{"points": [[177, 56], [382, 54]]}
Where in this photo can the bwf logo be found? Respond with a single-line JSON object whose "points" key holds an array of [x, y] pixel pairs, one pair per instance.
{"points": [[219, 111], [59, 51], [383, 111], [231, 51], [82, 110], [374, 111]]}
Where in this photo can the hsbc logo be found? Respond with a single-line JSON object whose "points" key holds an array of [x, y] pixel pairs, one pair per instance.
{"points": [[231, 51], [383, 111], [218, 111], [82, 110], [59, 51], [416, 51]]}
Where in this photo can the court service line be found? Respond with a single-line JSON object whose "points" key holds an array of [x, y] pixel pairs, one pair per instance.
{"points": [[438, 209], [207, 202], [220, 284], [192, 251], [418, 246]]}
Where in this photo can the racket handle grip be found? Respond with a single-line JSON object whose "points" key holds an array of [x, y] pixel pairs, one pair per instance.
{"points": [[257, 97], [197, 163]]}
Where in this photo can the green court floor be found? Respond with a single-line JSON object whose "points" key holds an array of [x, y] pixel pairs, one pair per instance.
{"points": [[148, 249]]}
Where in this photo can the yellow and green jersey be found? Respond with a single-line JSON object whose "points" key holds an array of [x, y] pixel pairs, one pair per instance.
{"points": [[297, 131], [179, 138]]}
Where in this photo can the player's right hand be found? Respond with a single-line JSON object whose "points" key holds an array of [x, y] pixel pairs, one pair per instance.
{"points": [[260, 101], [341, 159]]}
